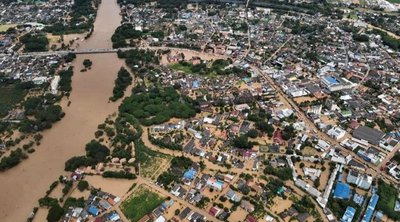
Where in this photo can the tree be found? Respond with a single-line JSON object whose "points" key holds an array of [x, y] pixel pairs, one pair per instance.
{"points": [[83, 185], [97, 151], [317, 182], [87, 63], [265, 127], [302, 165], [55, 213], [252, 133], [242, 142]]}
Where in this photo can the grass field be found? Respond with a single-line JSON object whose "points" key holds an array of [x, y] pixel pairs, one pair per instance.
{"points": [[394, 1], [10, 95], [4, 28], [142, 202], [180, 67]]}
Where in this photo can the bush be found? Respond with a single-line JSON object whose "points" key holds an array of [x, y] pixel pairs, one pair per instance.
{"points": [[119, 175], [123, 80], [55, 213], [83, 185]]}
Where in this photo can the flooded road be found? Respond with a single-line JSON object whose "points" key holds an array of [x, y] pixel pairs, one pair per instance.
{"points": [[22, 186]]}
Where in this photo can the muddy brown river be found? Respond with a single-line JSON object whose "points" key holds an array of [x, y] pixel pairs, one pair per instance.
{"points": [[22, 186]]}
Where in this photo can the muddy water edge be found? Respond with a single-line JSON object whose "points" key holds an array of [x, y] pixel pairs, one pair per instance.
{"points": [[22, 186]]}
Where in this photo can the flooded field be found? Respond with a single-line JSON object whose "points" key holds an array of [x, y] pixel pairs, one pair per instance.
{"points": [[23, 185]]}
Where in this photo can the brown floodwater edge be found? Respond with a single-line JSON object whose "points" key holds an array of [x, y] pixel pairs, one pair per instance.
{"points": [[22, 186]]}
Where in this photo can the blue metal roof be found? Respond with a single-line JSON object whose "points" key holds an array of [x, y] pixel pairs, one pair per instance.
{"points": [[342, 191], [370, 209], [190, 174], [332, 80], [348, 215], [93, 210]]}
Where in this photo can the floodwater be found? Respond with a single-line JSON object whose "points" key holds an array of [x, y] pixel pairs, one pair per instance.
{"points": [[22, 186]]}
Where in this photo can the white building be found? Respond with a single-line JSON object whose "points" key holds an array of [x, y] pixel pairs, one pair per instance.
{"points": [[362, 181], [336, 132]]}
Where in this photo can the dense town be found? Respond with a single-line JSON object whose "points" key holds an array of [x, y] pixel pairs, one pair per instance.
{"points": [[234, 111]]}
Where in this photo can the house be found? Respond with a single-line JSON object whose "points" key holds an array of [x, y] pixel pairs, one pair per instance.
{"points": [[242, 107], [370, 209], [93, 210], [336, 132], [303, 217], [251, 218], [185, 213], [278, 137], [246, 205], [214, 211], [369, 134], [342, 191], [216, 184], [348, 214], [360, 180], [233, 196], [160, 219]]}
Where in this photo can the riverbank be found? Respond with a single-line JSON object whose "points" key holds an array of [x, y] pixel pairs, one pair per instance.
{"points": [[23, 185]]}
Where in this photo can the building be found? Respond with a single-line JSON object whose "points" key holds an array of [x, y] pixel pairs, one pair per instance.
{"points": [[333, 83], [348, 214], [362, 181], [369, 134], [370, 209], [336, 132], [342, 191], [216, 184]]}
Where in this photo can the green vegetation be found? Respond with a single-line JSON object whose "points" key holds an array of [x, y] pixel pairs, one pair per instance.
{"points": [[12, 160], [178, 166], [284, 173], [264, 127], [163, 144], [338, 207], [66, 79], [74, 202], [87, 63], [55, 213], [253, 133], [35, 42], [95, 153], [158, 105], [242, 142], [120, 175], [124, 133], [218, 67], [387, 198], [82, 18], [42, 112], [302, 28], [288, 132], [388, 40], [136, 58], [140, 204], [10, 95], [47, 201], [360, 37], [304, 205], [123, 80], [143, 154], [83, 185], [124, 32]]}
